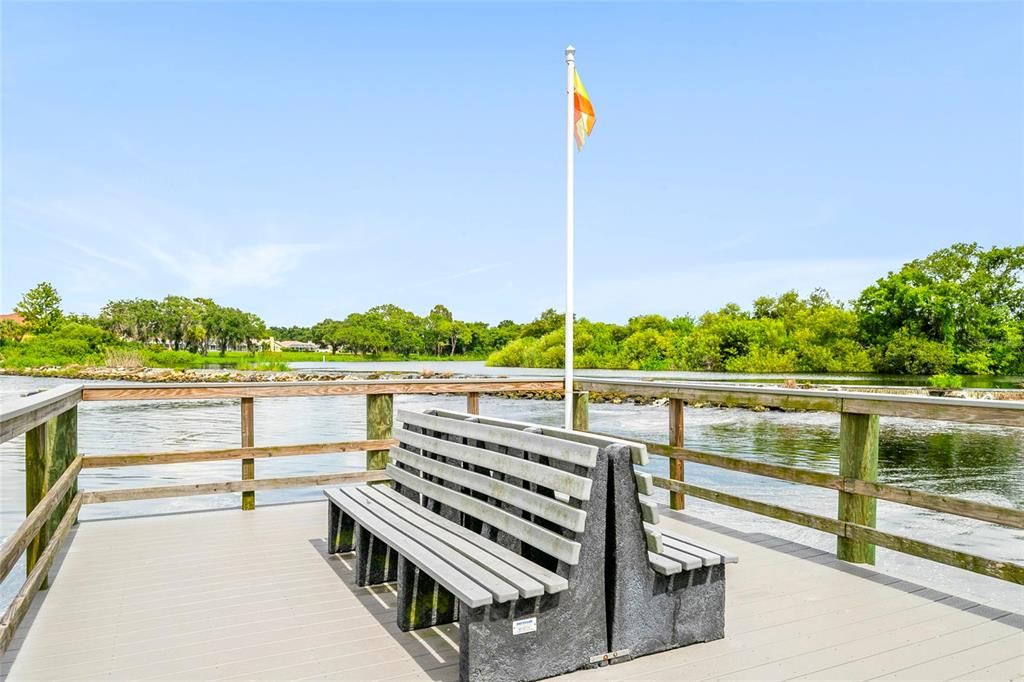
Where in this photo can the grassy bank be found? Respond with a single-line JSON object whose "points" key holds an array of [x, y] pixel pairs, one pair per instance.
{"points": [[85, 345]]}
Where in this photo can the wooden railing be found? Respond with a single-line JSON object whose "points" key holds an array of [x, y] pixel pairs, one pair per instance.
{"points": [[856, 483], [49, 420]]}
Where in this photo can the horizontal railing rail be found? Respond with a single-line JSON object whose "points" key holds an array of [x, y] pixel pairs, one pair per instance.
{"points": [[980, 511], [995, 412], [262, 452], [20, 415], [20, 539], [1003, 570], [858, 461], [222, 487], [296, 389], [37, 575]]}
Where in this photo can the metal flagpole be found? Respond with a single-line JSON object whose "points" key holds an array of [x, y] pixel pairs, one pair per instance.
{"points": [[570, 63]]}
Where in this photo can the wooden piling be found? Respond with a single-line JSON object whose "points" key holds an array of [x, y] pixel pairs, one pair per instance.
{"points": [[676, 472], [858, 459], [473, 403], [580, 410], [49, 450], [380, 410], [248, 441]]}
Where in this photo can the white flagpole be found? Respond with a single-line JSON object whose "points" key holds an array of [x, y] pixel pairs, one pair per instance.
{"points": [[570, 63]]}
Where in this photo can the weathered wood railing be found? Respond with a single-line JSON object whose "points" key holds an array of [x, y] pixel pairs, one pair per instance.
{"points": [[49, 420], [53, 462], [856, 482]]}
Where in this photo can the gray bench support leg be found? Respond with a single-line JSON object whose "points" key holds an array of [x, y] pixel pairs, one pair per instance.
{"points": [[422, 602], [570, 626], [652, 612], [375, 561], [340, 530]]}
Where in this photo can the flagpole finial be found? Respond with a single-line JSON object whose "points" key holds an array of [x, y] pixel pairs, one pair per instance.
{"points": [[570, 54]]}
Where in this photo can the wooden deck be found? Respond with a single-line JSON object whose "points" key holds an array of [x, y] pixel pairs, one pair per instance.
{"points": [[251, 595]]}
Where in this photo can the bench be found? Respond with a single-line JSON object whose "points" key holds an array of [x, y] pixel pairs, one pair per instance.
{"points": [[680, 598], [493, 527], [518, 532]]}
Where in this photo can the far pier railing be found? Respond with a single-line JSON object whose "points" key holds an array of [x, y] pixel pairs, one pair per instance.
{"points": [[856, 483], [49, 421]]}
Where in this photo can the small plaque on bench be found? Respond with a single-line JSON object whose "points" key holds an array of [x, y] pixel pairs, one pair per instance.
{"points": [[521, 627]]}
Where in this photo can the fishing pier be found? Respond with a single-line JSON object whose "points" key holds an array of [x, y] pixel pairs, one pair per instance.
{"points": [[255, 593]]}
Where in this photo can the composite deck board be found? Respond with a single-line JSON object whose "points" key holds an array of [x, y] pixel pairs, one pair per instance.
{"points": [[252, 595]]}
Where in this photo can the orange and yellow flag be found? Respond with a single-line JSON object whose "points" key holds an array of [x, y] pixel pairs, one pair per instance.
{"points": [[584, 111]]}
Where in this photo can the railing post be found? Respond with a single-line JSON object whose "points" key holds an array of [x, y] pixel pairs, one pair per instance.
{"points": [[379, 421], [858, 458], [248, 441], [676, 471], [580, 410], [473, 403], [49, 449]]}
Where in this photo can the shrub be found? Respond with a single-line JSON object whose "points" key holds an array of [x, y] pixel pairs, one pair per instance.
{"points": [[763, 360], [70, 344], [946, 381], [908, 354]]}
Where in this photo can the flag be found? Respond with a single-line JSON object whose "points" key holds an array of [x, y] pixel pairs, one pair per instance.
{"points": [[584, 111]]}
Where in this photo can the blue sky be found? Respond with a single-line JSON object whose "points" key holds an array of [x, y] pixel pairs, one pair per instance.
{"points": [[308, 160]]}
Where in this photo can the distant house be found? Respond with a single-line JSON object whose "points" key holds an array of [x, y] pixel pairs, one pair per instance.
{"points": [[13, 317], [298, 346]]}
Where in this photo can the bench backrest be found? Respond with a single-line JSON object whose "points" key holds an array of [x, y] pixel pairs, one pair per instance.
{"points": [[637, 451], [533, 487]]}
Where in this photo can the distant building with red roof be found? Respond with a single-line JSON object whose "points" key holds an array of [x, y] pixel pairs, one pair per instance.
{"points": [[13, 317]]}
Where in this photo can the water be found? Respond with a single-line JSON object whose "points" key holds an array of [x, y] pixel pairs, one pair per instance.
{"points": [[477, 367], [983, 463]]}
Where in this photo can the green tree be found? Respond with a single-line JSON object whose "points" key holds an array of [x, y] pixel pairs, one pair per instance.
{"points": [[11, 331], [966, 298], [40, 306]]}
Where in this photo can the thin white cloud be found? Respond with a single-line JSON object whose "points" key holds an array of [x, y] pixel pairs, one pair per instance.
{"points": [[259, 266], [132, 266], [140, 230]]}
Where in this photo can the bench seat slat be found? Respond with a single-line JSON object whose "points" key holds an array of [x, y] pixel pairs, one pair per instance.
{"points": [[663, 564], [501, 590], [547, 476], [649, 510], [551, 581], [652, 534], [644, 483], [576, 453], [688, 561], [545, 507], [727, 556], [456, 582], [541, 538], [638, 452], [706, 557], [447, 541]]}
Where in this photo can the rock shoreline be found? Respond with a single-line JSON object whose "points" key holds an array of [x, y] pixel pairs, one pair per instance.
{"points": [[168, 375]]}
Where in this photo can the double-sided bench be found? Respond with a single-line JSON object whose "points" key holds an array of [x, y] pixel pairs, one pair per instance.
{"points": [[666, 590], [540, 541]]}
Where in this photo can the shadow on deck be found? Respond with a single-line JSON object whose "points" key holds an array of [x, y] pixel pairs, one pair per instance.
{"points": [[253, 595]]}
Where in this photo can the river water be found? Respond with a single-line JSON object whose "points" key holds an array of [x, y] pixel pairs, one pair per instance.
{"points": [[983, 463], [478, 368]]}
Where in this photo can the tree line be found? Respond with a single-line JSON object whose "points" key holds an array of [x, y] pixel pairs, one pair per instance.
{"points": [[960, 309]]}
